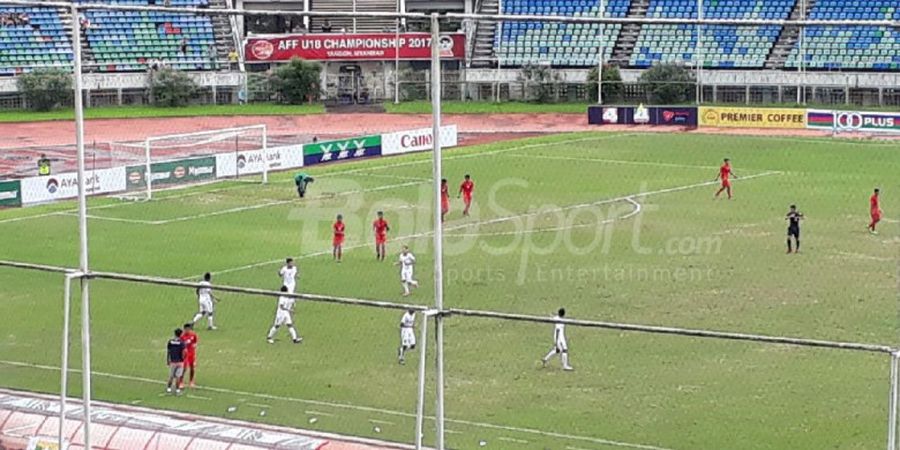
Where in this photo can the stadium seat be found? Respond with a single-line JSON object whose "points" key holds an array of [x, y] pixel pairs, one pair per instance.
{"points": [[572, 45], [37, 39], [850, 47]]}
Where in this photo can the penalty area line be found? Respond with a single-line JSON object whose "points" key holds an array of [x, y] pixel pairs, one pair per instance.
{"points": [[350, 406]]}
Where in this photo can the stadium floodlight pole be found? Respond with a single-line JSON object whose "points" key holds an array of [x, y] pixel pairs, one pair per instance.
{"points": [[600, 59], [82, 228], [397, 59], [64, 364], [893, 401], [438, 230], [698, 85], [801, 89], [420, 395]]}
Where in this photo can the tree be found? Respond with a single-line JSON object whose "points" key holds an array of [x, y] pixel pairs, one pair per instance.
{"points": [[538, 83], [668, 84], [171, 88], [612, 84], [45, 89], [297, 81]]}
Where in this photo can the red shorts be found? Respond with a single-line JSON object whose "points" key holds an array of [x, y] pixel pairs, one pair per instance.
{"points": [[726, 182], [467, 198], [380, 239], [338, 240], [445, 205], [876, 215], [190, 360]]}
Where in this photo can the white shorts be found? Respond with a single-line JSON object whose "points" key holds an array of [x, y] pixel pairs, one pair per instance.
{"points": [[406, 276], [206, 306], [283, 317], [407, 337], [291, 287], [561, 345]]}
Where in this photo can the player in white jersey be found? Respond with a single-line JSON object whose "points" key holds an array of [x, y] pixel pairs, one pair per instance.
{"points": [[284, 315], [406, 262], [407, 334], [288, 274], [207, 301], [559, 342]]}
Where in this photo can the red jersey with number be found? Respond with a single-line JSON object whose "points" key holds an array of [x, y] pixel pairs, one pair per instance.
{"points": [[467, 187], [873, 203], [190, 344]]}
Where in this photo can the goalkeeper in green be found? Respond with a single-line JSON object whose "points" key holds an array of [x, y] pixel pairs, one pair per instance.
{"points": [[301, 180]]}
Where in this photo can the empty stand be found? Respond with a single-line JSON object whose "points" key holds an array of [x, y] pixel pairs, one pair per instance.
{"points": [[558, 44], [32, 37], [130, 40], [351, 25], [850, 47]]}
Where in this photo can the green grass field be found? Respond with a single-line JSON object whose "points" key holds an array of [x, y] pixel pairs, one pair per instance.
{"points": [[541, 237]]}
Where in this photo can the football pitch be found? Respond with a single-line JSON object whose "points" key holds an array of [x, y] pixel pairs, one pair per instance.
{"points": [[613, 227]]}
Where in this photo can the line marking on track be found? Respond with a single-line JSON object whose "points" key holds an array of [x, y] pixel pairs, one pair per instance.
{"points": [[612, 161], [356, 408], [448, 230]]}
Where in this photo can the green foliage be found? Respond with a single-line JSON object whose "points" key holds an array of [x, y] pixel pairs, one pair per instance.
{"points": [[612, 84], [668, 84], [297, 81], [169, 87], [46, 89], [539, 83]]}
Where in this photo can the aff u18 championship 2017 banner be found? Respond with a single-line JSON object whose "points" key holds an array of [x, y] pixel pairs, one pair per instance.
{"points": [[352, 47], [849, 121]]}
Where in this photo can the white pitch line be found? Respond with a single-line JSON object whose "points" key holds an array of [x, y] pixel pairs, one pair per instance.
{"points": [[198, 397], [319, 413], [258, 405], [614, 161], [509, 439], [356, 408], [382, 422], [629, 197], [111, 219]]}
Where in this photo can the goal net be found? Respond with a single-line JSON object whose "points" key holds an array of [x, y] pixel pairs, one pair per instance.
{"points": [[177, 160]]}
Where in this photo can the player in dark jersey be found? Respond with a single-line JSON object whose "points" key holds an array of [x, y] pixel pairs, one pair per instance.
{"points": [[175, 350], [793, 217]]}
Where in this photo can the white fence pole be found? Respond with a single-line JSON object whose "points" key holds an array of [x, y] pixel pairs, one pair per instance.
{"points": [[420, 395]]}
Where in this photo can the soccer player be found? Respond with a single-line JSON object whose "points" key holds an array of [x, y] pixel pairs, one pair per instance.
{"points": [[190, 353], [793, 217], [445, 198], [559, 343], [288, 274], [406, 262], [381, 228], [725, 174], [407, 335], [175, 361], [302, 180], [465, 189], [206, 298], [874, 211], [284, 315], [337, 244]]}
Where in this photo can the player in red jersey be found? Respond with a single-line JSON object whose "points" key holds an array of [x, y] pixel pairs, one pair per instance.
{"points": [[465, 189], [190, 353], [874, 211], [381, 228], [337, 243], [445, 198], [725, 174]]}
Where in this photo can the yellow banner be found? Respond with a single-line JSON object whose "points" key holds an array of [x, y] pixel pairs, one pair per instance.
{"points": [[752, 117]]}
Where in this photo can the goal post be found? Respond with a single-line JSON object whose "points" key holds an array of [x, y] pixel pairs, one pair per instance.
{"points": [[176, 160]]}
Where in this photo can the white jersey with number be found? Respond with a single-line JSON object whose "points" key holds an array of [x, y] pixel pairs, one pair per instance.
{"points": [[407, 262], [559, 336], [284, 314], [407, 330], [288, 277], [204, 297]]}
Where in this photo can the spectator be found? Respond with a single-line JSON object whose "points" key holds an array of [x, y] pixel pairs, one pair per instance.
{"points": [[326, 26], [184, 46], [167, 3], [213, 56], [234, 59], [43, 165]]}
